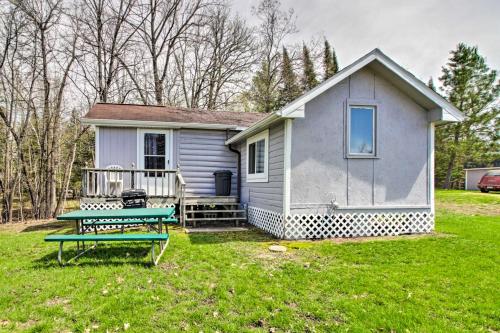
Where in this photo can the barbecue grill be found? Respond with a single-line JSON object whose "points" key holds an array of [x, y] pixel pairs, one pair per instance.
{"points": [[134, 198]]}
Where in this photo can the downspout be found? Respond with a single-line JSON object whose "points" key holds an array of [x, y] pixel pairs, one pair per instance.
{"points": [[238, 168]]}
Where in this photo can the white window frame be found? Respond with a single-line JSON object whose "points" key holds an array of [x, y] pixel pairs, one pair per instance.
{"points": [[140, 146], [149, 186], [259, 177], [373, 154]]}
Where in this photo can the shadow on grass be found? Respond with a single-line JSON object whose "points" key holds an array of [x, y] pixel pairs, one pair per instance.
{"points": [[252, 235], [69, 228], [54, 226], [102, 255]]}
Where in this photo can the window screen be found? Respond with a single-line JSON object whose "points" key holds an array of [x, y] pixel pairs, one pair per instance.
{"points": [[256, 157], [361, 130], [154, 152]]}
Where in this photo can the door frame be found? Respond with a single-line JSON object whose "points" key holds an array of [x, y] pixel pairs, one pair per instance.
{"points": [[140, 146]]}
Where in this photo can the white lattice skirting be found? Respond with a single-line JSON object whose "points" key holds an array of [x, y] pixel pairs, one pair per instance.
{"points": [[100, 205], [267, 220], [314, 226]]}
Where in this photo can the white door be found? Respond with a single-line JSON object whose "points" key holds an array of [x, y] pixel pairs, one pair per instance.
{"points": [[154, 153]]}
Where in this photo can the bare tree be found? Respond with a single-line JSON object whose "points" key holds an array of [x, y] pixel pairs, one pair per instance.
{"points": [[37, 78], [233, 55], [106, 36], [59, 57], [214, 62], [275, 26], [162, 25], [10, 30]]}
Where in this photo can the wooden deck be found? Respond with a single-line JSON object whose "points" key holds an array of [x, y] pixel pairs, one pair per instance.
{"points": [[102, 189]]}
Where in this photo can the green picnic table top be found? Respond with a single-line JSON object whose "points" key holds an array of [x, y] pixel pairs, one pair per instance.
{"points": [[131, 213]]}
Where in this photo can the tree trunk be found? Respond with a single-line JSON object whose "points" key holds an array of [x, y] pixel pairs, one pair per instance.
{"points": [[453, 156], [67, 176]]}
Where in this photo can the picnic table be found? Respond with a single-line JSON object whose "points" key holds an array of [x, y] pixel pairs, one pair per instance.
{"points": [[122, 217]]}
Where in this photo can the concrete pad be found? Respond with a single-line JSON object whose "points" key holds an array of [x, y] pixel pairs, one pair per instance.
{"points": [[277, 248]]}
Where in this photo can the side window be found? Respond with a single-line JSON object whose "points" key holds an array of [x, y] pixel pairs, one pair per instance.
{"points": [[257, 157], [361, 132]]}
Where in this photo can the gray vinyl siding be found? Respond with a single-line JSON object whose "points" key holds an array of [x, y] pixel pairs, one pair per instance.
{"points": [[200, 153], [117, 146], [267, 195], [320, 172]]}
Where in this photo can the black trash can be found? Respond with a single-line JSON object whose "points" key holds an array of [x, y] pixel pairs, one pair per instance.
{"points": [[223, 182]]}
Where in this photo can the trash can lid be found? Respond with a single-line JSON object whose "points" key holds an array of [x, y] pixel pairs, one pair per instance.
{"points": [[228, 172]]}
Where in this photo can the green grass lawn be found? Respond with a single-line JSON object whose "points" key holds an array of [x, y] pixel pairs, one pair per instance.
{"points": [[467, 197], [447, 282]]}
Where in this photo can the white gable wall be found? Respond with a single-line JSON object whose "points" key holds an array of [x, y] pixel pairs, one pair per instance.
{"points": [[320, 173]]}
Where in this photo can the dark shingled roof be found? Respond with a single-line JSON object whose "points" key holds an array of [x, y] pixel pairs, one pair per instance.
{"points": [[171, 114]]}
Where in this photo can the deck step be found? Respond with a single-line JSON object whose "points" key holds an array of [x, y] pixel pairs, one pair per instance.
{"points": [[211, 200], [201, 219], [211, 203], [217, 211]]}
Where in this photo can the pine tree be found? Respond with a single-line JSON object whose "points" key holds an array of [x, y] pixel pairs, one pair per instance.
{"points": [[290, 89], [430, 84], [275, 25], [330, 66], [263, 94], [471, 86], [309, 80], [335, 62]]}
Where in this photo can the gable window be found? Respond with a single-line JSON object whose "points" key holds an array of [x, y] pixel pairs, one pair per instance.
{"points": [[361, 131], [257, 157]]}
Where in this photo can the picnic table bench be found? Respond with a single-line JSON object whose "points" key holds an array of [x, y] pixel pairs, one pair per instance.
{"points": [[110, 237], [135, 216]]}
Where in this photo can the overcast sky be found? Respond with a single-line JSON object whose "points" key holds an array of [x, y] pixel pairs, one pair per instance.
{"points": [[417, 34]]}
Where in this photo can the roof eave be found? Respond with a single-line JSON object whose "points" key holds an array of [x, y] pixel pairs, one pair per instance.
{"points": [[255, 128], [442, 116], [318, 90], [158, 124], [402, 73], [265, 123], [421, 87]]}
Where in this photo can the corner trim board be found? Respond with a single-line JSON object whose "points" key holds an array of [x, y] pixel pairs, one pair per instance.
{"points": [[430, 166], [287, 163], [97, 150]]}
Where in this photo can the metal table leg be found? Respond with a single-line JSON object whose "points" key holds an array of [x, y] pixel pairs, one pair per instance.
{"points": [[95, 231], [83, 233], [59, 254], [160, 230], [77, 226], [156, 259]]}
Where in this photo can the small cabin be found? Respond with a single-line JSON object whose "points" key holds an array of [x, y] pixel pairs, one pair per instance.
{"points": [[352, 157]]}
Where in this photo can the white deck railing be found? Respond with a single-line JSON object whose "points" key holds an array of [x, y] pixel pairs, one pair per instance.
{"points": [[111, 182]]}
